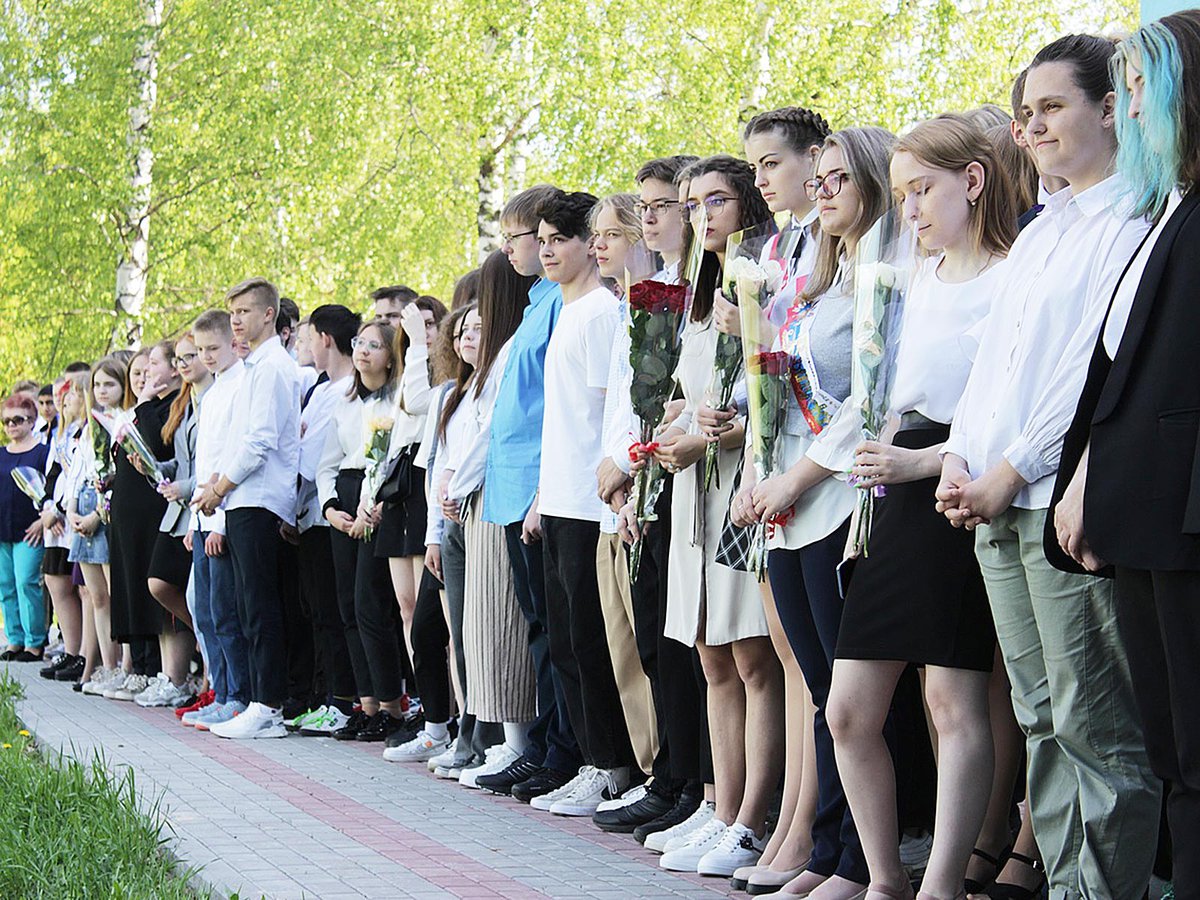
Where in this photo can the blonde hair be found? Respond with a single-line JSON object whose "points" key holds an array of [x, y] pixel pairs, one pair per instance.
{"points": [[625, 206], [952, 141]]}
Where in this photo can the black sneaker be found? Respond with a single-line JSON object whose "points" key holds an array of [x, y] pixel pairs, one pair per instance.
{"points": [[545, 781], [502, 782], [409, 729], [48, 672], [380, 727], [689, 801], [72, 671], [349, 731], [656, 802]]}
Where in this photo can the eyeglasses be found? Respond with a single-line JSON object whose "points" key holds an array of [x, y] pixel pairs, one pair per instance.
{"points": [[658, 207], [829, 186], [185, 360], [506, 238], [15, 420], [712, 204], [357, 342]]}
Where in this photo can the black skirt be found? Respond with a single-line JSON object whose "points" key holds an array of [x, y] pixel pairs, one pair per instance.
{"points": [[919, 596], [170, 561], [402, 530], [55, 562]]}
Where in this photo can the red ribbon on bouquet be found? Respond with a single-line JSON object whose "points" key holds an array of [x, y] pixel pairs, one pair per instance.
{"points": [[778, 521], [638, 450]]}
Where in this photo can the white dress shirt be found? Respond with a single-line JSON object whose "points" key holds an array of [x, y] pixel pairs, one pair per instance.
{"points": [[315, 421], [346, 440], [212, 431], [411, 401], [1035, 349], [1122, 304], [471, 462], [264, 434], [460, 433]]}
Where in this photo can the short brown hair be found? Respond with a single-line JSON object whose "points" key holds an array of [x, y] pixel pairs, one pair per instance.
{"points": [[263, 294], [214, 321], [665, 168], [524, 207]]}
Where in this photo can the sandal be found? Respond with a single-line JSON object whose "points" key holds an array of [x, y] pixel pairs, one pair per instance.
{"points": [[971, 885], [1004, 891]]}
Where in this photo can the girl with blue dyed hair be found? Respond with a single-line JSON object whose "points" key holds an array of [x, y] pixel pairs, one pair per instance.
{"points": [[1131, 469]]}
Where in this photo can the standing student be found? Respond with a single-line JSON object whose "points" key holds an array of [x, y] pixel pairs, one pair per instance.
{"points": [[616, 227], [1090, 784], [331, 331], [212, 570], [710, 606], [257, 487], [918, 597], [368, 606], [62, 441], [507, 463], [504, 297], [21, 535], [852, 190], [566, 512], [389, 302], [88, 520], [1131, 501], [401, 539]]}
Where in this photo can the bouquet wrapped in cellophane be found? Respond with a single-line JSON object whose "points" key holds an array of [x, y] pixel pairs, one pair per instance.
{"points": [[123, 431], [102, 452], [657, 313], [883, 269], [31, 483], [767, 373], [379, 438], [746, 246]]}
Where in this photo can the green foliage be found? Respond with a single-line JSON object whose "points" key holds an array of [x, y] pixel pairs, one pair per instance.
{"points": [[336, 145], [74, 829]]}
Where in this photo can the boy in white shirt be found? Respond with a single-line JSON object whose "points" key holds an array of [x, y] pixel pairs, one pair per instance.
{"points": [[577, 363]]}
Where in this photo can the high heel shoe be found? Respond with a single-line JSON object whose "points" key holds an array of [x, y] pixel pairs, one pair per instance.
{"points": [[767, 881], [974, 886], [1002, 890]]}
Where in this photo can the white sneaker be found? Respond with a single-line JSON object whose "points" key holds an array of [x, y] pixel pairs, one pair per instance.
{"points": [[738, 847], [496, 760], [659, 840], [129, 688], [257, 721], [547, 800], [602, 784], [630, 797], [686, 857], [162, 692], [102, 679], [421, 748], [443, 759]]}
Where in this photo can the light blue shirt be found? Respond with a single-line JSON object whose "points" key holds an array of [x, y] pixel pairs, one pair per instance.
{"points": [[515, 444]]}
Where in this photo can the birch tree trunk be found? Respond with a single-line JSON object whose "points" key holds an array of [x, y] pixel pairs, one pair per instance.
{"points": [[760, 72], [135, 228]]}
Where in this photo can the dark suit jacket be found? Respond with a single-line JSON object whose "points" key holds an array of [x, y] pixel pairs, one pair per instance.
{"points": [[1141, 413]]}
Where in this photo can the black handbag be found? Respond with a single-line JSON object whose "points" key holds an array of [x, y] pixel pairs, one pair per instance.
{"points": [[400, 479]]}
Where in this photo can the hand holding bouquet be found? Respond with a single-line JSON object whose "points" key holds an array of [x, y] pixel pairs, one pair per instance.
{"points": [[31, 483], [123, 431], [379, 438]]}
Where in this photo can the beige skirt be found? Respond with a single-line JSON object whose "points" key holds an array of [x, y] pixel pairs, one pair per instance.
{"points": [[495, 633]]}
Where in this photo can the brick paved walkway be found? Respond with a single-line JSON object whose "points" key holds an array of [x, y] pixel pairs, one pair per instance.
{"points": [[315, 818]]}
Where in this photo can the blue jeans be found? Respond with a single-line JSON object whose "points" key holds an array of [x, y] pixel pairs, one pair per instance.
{"points": [[21, 594], [216, 619]]}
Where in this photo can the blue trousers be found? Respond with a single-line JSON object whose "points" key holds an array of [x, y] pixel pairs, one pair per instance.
{"points": [[21, 594], [216, 619]]}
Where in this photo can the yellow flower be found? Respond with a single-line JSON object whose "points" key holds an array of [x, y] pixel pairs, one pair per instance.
{"points": [[23, 733], [6, 746], [382, 423]]}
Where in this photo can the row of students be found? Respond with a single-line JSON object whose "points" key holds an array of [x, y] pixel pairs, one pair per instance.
{"points": [[671, 706]]}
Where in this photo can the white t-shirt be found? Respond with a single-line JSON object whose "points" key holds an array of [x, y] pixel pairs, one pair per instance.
{"points": [[577, 362]]}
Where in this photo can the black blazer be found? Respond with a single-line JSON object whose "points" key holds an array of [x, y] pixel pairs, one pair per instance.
{"points": [[1141, 413]]}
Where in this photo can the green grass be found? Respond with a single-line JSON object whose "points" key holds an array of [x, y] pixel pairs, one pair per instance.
{"points": [[74, 830]]}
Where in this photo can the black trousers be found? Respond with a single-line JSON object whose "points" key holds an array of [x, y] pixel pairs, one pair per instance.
{"points": [[805, 586], [1158, 617], [144, 652], [431, 662], [370, 614], [552, 742], [253, 538], [318, 594], [579, 644], [302, 674], [684, 753]]}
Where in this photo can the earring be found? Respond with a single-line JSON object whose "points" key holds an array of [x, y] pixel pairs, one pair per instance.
{"points": [[973, 202]]}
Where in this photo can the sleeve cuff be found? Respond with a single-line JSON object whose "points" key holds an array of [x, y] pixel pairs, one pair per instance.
{"points": [[956, 444], [827, 457], [1027, 462]]}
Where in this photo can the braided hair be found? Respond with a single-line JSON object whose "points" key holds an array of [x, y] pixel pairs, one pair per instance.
{"points": [[800, 127]]}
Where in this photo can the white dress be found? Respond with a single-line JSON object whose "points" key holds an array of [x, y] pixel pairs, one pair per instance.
{"points": [[706, 601]]}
